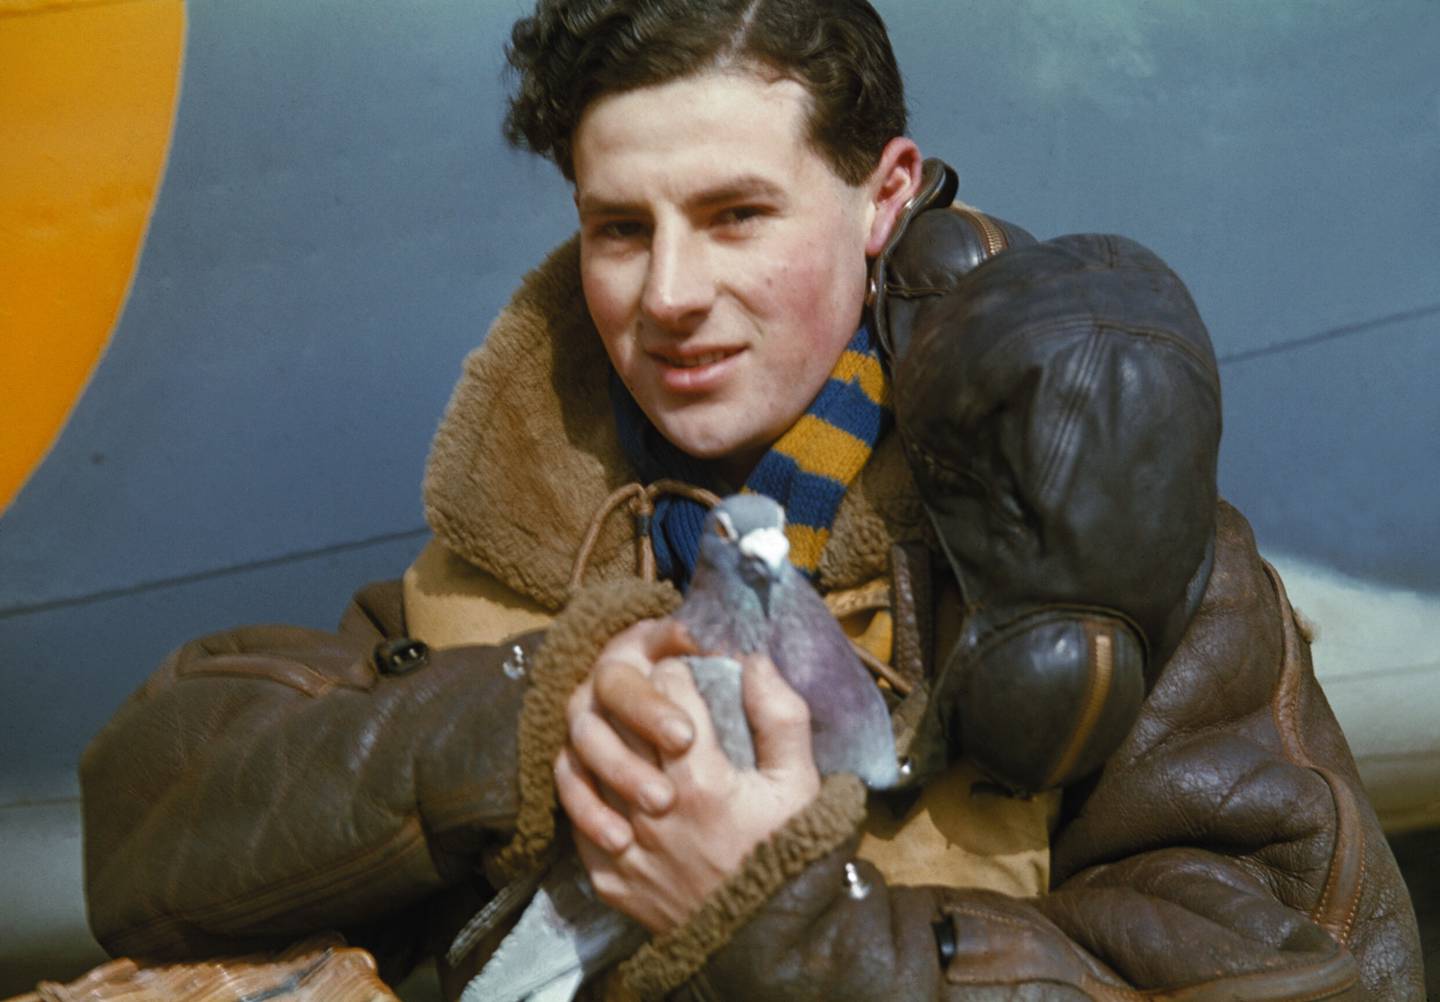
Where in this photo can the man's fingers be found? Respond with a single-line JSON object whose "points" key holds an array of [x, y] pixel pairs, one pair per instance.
{"points": [[648, 641], [669, 639], [627, 696], [622, 766], [674, 679], [586, 809], [779, 718]]}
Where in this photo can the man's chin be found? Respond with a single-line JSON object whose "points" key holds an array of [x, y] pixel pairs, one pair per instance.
{"points": [[728, 454]]}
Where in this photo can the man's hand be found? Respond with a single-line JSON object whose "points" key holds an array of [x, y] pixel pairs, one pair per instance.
{"points": [[716, 814], [617, 719]]}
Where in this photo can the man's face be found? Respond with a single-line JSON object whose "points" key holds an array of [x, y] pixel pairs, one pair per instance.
{"points": [[723, 260]]}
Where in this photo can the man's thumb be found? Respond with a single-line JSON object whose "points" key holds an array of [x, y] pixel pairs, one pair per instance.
{"points": [[779, 718]]}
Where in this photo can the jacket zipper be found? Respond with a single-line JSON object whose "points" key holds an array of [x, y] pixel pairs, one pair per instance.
{"points": [[992, 236]]}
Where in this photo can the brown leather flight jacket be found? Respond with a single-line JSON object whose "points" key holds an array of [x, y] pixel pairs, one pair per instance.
{"points": [[269, 782]]}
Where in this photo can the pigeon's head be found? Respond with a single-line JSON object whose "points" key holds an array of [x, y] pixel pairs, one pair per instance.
{"points": [[745, 542]]}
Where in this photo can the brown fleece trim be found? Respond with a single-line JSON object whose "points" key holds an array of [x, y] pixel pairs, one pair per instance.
{"points": [[881, 508], [571, 646], [527, 451], [668, 961]]}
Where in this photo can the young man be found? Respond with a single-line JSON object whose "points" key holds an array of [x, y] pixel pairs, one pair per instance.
{"points": [[764, 266]]}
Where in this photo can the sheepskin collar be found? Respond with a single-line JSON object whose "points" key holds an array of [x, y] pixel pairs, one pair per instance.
{"points": [[527, 453]]}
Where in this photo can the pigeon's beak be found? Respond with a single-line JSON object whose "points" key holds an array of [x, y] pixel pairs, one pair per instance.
{"points": [[767, 547], [765, 552]]}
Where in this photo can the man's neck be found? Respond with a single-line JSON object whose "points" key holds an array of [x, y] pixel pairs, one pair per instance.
{"points": [[732, 471]]}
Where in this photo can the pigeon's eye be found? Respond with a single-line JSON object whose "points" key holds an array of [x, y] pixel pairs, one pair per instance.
{"points": [[725, 527]]}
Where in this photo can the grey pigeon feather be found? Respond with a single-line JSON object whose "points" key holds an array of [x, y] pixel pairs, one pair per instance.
{"points": [[745, 598]]}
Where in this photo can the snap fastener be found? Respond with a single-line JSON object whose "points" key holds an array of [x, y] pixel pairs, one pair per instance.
{"points": [[855, 885], [514, 664], [400, 656]]}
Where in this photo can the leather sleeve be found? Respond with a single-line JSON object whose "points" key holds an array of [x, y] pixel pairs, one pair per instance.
{"points": [[271, 781], [1225, 851]]}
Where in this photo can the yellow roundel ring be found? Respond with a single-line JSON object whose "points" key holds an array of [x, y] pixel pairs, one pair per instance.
{"points": [[87, 104]]}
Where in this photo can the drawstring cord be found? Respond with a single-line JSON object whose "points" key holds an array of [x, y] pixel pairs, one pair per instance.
{"points": [[641, 501]]}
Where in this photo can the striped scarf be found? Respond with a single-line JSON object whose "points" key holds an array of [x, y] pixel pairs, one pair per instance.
{"points": [[807, 470]]}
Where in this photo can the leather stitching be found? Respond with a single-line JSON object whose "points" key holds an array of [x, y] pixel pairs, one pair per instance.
{"points": [[992, 918], [1348, 852], [1067, 426], [1093, 985], [302, 679], [1206, 991], [898, 291], [285, 895]]}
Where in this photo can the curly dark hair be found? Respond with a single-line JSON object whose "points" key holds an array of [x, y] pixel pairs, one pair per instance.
{"points": [[570, 52]]}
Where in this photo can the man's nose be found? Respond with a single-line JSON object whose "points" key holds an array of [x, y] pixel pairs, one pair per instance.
{"points": [[679, 286]]}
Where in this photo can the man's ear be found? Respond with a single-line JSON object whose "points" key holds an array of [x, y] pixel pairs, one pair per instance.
{"points": [[895, 180]]}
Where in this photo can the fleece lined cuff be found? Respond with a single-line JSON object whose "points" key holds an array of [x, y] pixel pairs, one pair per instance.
{"points": [[668, 961], [572, 644]]}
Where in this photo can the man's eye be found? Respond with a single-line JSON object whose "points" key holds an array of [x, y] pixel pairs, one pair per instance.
{"points": [[739, 215], [622, 230]]}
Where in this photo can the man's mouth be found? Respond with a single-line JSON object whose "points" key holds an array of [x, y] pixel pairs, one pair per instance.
{"points": [[696, 372], [696, 361]]}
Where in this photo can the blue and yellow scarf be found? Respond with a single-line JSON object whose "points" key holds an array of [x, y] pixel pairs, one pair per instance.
{"points": [[807, 470]]}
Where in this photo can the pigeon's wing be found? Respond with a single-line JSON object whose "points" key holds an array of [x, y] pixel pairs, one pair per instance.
{"points": [[563, 989], [850, 723], [566, 934]]}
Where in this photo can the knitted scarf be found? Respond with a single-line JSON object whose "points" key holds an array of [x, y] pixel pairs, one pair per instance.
{"points": [[807, 470]]}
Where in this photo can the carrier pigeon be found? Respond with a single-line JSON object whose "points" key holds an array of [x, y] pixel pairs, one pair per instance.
{"points": [[745, 597]]}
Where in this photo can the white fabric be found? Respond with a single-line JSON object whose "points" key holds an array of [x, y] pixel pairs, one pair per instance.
{"points": [[1377, 658]]}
